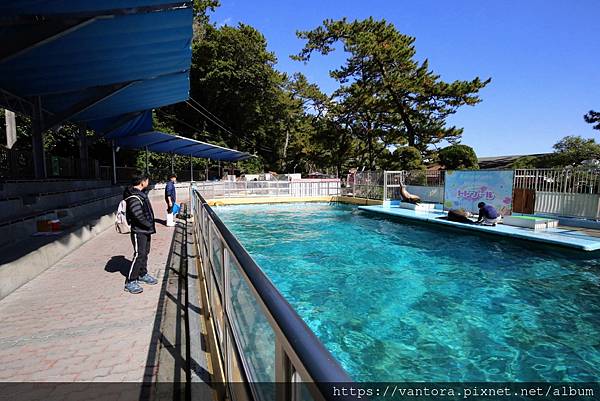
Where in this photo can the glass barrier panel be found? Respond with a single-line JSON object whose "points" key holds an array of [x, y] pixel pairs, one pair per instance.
{"points": [[301, 391], [216, 255], [204, 239], [205, 225], [202, 214], [254, 335], [234, 372], [217, 308]]}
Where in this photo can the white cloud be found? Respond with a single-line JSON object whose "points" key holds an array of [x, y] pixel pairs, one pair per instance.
{"points": [[226, 21]]}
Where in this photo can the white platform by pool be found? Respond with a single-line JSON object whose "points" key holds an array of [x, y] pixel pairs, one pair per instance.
{"points": [[533, 222], [556, 236], [419, 207]]}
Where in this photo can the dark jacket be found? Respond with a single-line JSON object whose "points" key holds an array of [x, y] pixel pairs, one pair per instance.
{"points": [[170, 191], [140, 215], [488, 212]]}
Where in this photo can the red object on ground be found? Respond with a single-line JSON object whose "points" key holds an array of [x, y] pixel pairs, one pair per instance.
{"points": [[55, 225]]}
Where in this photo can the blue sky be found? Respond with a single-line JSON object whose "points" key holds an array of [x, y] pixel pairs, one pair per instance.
{"points": [[543, 58]]}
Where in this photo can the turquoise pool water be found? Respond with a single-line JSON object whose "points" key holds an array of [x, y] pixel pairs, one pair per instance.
{"points": [[396, 301]]}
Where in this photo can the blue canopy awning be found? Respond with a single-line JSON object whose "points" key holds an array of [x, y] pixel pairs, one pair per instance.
{"points": [[91, 60], [102, 63], [50, 7], [160, 142], [139, 134]]}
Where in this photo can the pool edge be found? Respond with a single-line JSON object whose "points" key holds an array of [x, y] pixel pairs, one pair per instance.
{"points": [[483, 229]]}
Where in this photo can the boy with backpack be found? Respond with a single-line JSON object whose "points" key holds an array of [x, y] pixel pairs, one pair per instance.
{"points": [[140, 217]]}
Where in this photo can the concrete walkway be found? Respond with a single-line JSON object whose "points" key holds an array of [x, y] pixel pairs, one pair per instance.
{"points": [[74, 322]]}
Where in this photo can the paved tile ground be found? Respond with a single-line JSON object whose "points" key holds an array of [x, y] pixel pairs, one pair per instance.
{"points": [[74, 322]]}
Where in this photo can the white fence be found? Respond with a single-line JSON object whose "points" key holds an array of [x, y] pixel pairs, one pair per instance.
{"points": [[427, 193], [295, 188], [573, 192], [568, 204], [564, 192], [427, 185], [572, 180], [365, 184]]}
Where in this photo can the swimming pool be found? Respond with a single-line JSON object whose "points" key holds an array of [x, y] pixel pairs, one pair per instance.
{"points": [[397, 301]]}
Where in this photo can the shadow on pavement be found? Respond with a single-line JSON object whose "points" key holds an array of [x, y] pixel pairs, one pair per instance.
{"points": [[118, 264]]}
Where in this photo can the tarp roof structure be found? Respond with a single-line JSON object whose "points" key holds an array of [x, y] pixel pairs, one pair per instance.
{"points": [[160, 142], [99, 63]]}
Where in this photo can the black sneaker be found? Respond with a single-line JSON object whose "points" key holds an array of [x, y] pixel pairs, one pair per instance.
{"points": [[147, 279]]}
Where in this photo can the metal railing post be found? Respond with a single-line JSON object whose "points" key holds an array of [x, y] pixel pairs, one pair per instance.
{"points": [[384, 185], [114, 163], [283, 373]]}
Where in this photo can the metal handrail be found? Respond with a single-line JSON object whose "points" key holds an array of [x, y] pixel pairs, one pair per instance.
{"points": [[301, 347]]}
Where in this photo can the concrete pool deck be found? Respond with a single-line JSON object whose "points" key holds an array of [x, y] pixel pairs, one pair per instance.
{"points": [[565, 237]]}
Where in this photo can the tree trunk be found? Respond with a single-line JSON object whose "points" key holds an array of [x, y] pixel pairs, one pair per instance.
{"points": [[285, 146], [370, 142], [410, 129]]}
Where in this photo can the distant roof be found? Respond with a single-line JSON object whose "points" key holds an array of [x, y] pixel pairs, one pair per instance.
{"points": [[435, 167], [500, 162]]}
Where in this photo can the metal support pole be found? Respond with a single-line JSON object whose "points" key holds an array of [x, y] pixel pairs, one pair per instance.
{"points": [[37, 140], [84, 165], [283, 374], [11, 128], [147, 167], [191, 169], [114, 163], [172, 163], [384, 185], [207, 164]]}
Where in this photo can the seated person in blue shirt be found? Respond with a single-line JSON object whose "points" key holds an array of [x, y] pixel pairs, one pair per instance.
{"points": [[488, 215]]}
